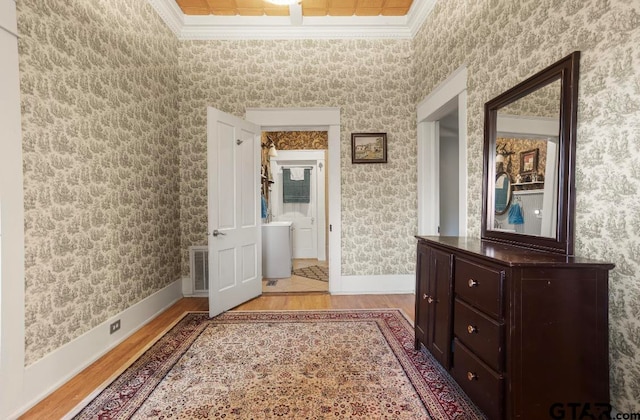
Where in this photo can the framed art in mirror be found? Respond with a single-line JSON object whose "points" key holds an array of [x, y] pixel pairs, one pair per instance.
{"points": [[536, 119], [529, 162]]}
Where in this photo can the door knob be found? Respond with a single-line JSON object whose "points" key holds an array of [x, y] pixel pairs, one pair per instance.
{"points": [[430, 299], [216, 232]]}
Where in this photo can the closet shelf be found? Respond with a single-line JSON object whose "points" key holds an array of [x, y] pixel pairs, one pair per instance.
{"points": [[528, 183], [527, 192]]}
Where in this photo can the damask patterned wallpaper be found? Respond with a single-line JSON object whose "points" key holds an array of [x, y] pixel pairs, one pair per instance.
{"points": [[505, 41], [371, 80], [298, 140], [100, 143]]}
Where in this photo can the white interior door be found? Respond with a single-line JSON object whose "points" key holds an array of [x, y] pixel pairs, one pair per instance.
{"points": [[303, 215], [305, 228], [305, 236], [235, 249]]}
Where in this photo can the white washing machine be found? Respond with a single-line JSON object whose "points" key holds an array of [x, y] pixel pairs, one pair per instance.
{"points": [[277, 250]]}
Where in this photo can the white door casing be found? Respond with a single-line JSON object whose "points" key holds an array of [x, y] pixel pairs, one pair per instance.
{"points": [[12, 284], [315, 119], [235, 249]]}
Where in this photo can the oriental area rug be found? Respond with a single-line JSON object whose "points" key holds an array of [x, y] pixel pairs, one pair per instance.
{"points": [[284, 365]]}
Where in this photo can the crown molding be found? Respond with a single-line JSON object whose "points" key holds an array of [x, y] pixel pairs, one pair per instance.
{"points": [[420, 10], [279, 27], [210, 27], [170, 13]]}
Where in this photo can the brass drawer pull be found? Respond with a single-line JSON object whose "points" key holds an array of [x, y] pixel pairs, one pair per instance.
{"points": [[471, 329], [430, 300], [472, 376], [424, 296], [472, 283]]}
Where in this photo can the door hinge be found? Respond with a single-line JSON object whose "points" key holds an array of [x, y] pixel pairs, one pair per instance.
{"points": [[330, 228]]}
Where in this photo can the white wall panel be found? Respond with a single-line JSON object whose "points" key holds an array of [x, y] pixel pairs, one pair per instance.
{"points": [[11, 219]]}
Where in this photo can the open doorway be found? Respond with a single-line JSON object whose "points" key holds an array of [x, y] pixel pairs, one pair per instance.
{"points": [[449, 193], [295, 195], [442, 158], [315, 119]]}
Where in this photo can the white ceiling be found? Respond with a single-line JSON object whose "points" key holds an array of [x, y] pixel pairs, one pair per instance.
{"points": [[294, 26]]}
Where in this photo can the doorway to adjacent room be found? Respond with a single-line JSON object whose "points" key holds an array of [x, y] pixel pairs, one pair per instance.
{"points": [[297, 194], [307, 120]]}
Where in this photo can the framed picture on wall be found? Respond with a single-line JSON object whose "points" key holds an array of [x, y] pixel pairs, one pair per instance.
{"points": [[369, 148], [529, 162]]}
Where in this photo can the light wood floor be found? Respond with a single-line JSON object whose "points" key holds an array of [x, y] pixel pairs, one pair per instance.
{"points": [[78, 388], [297, 283]]}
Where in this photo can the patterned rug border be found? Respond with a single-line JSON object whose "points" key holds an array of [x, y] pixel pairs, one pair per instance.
{"points": [[418, 366], [403, 313], [126, 365]]}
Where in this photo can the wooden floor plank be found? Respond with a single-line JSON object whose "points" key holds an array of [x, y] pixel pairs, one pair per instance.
{"points": [[82, 385]]}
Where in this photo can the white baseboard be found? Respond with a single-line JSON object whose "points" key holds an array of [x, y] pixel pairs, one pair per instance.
{"points": [[372, 285], [197, 294], [56, 368], [187, 289]]}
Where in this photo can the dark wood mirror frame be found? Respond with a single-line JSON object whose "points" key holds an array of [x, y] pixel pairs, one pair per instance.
{"points": [[567, 71]]}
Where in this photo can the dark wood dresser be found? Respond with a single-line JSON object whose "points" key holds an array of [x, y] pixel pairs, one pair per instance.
{"points": [[519, 330]]}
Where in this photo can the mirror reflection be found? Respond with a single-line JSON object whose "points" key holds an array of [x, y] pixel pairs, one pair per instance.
{"points": [[526, 158]]}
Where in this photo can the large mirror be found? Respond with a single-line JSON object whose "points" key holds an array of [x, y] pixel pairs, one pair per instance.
{"points": [[529, 148]]}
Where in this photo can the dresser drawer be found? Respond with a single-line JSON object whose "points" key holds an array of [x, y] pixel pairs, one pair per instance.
{"points": [[479, 285], [480, 334], [482, 385]]}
